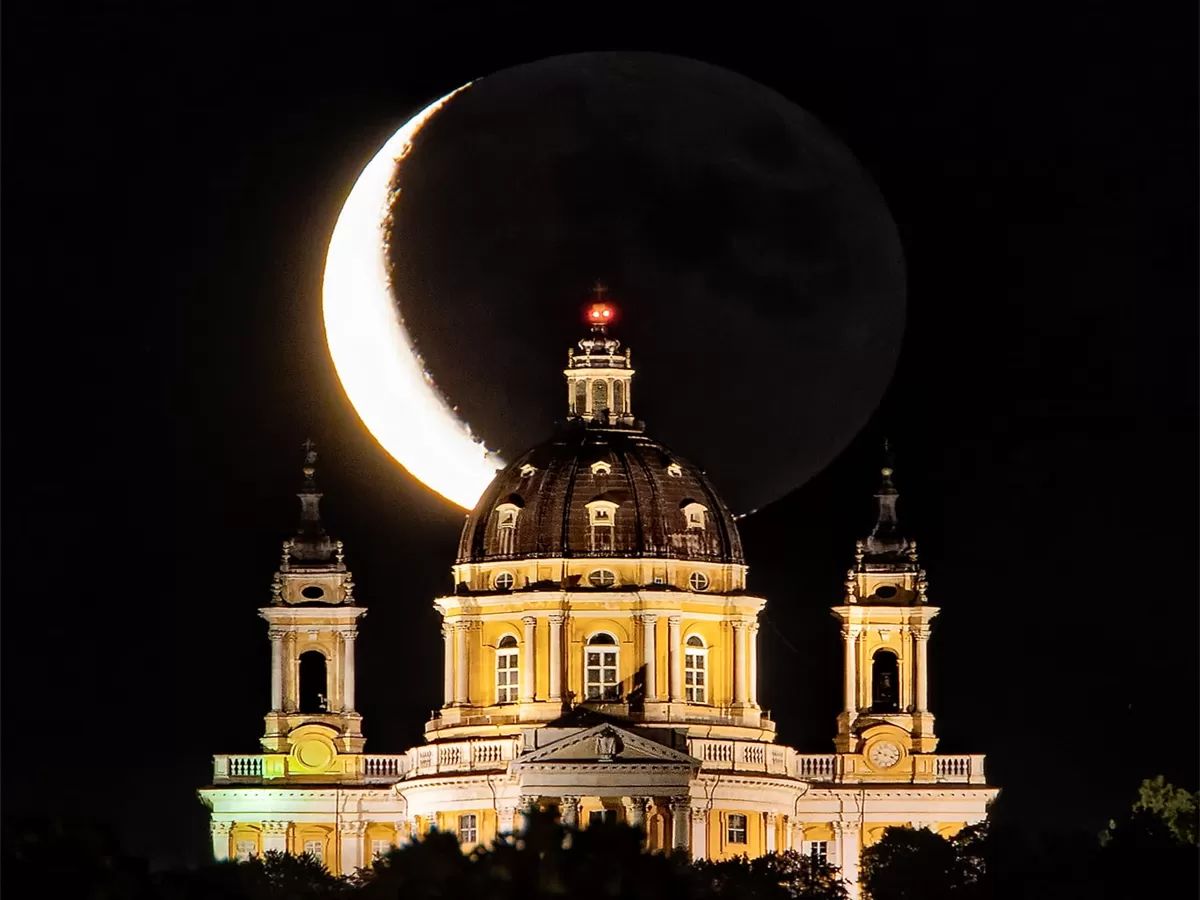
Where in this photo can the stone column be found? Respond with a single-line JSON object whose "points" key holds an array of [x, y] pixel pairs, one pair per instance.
{"points": [[848, 854], [753, 677], [348, 670], [739, 663], [352, 845], [795, 834], [680, 822], [635, 810], [461, 633], [274, 837], [699, 816], [528, 672], [220, 839], [674, 659], [448, 664], [772, 824], [921, 662], [276, 635], [556, 651], [526, 803], [650, 653], [568, 808], [850, 692], [291, 675]]}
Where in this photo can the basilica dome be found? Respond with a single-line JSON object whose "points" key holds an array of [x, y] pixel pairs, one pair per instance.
{"points": [[600, 492]]}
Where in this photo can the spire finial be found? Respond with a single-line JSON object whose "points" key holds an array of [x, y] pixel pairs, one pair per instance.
{"points": [[310, 458]]}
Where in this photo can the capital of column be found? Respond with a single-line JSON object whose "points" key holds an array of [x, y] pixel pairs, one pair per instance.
{"points": [[352, 828], [844, 828], [556, 618], [348, 636], [772, 819], [220, 827], [680, 805], [528, 800], [674, 621], [851, 631], [277, 634], [920, 632], [528, 620], [699, 813], [275, 827], [753, 626], [649, 618]]}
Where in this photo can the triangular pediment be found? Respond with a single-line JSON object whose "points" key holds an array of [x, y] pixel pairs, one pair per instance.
{"points": [[609, 744]]}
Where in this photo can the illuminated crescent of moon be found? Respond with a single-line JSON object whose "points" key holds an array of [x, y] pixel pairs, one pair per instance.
{"points": [[372, 351]]}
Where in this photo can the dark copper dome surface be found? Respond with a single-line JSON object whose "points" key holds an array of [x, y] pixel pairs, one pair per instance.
{"points": [[552, 485]]}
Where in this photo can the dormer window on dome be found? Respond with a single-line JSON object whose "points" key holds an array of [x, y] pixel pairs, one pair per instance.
{"points": [[527, 470], [600, 467], [602, 516], [506, 527], [675, 470], [695, 515]]}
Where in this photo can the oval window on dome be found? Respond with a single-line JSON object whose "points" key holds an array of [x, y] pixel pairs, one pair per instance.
{"points": [[698, 581], [312, 592], [886, 591], [504, 581], [602, 578]]}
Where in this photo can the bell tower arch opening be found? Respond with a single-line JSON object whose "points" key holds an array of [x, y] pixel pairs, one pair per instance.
{"points": [[314, 683], [885, 682]]}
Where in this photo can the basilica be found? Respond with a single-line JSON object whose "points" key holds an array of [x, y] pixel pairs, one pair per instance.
{"points": [[601, 658]]}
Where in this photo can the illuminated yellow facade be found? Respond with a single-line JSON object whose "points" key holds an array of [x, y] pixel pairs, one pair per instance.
{"points": [[600, 656]]}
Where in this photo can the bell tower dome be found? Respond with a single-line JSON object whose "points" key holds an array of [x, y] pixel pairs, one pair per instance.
{"points": [[885, 620]]}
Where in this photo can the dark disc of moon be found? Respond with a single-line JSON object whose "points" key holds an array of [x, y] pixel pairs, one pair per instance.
{"points": [[758, 272]]}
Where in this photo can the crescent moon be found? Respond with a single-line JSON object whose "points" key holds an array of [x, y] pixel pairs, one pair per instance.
{"points": [[373, 353]]}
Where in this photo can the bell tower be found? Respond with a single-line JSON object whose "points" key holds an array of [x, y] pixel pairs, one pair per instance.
{"points": [[313, 623], [885, 620]]}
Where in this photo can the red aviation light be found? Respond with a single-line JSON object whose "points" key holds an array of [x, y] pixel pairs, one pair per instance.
{"points": [[600, 314]]}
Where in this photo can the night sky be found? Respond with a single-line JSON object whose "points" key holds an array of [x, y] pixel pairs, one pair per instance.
{"points": [[171, 177]]}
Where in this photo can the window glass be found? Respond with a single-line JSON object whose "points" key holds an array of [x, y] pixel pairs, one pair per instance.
{"points": [[245, 850], [602, 577], [818, 852], [736, 830], [315, 849], [600, 669], [468, 832], [695, 665], [507, 668], [698, 581], [380, 848]]}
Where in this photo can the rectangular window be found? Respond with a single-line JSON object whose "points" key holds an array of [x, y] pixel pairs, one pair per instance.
{"points": [[601, 675], [735, 829], [818, 852], [507, 676], [380, 848], [695, 686], [468, 830], [245, 850], [602, 817], [315, 849]]}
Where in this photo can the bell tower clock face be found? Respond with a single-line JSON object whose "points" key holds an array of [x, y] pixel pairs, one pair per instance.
{"points": [[884, 754]]}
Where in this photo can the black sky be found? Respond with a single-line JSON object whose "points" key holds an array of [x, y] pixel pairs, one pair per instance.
{"points": [[171, 175]]}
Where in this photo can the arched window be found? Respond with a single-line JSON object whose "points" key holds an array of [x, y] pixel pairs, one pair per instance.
{"points": [[618, 397], [314, 692], [506, 527], [600, 668], [599, 396], [695, 670], [580, 397], [885, 682], [507, 670]]}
